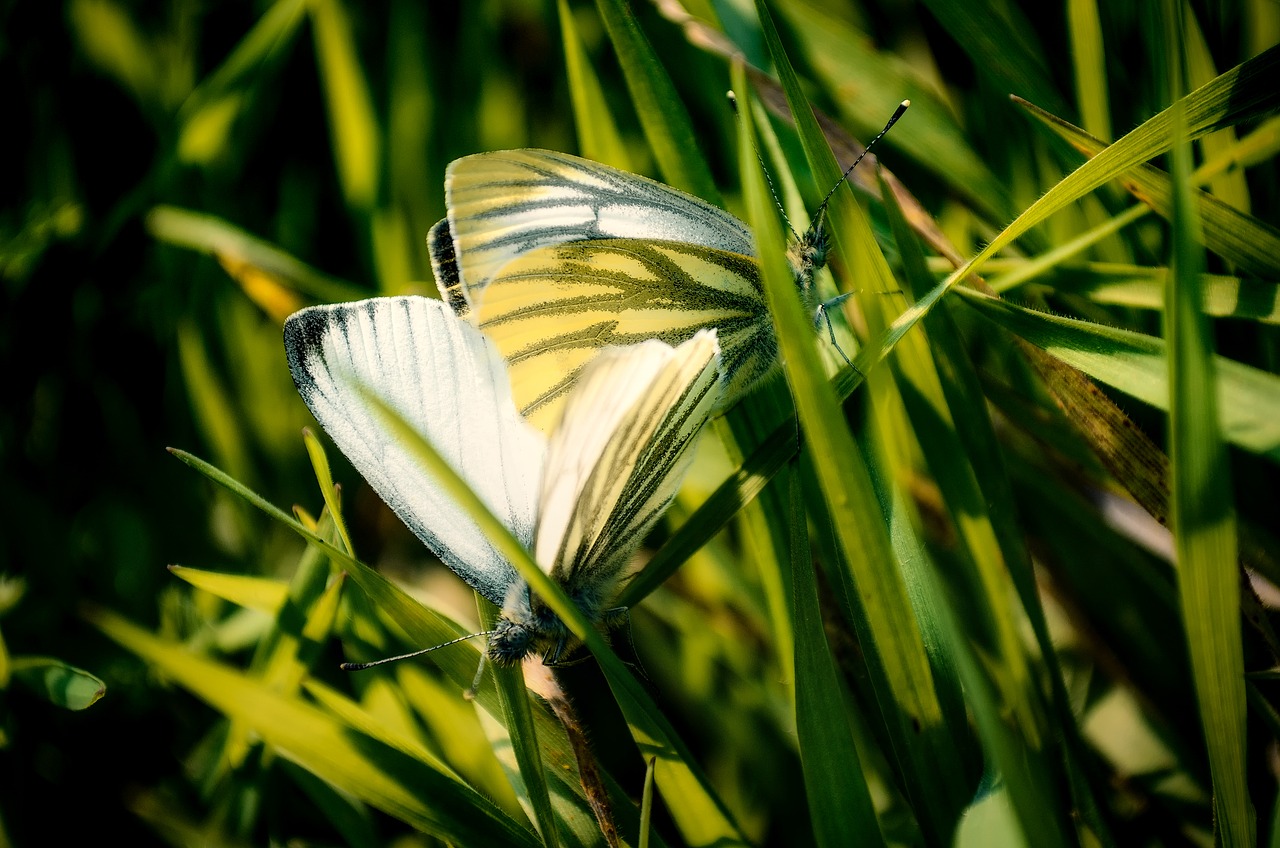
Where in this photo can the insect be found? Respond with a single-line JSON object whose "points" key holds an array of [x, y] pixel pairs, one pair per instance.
{"points": [[581, 497], [554, 257]]}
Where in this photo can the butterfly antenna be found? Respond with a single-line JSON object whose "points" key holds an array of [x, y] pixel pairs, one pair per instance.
{"points": [[733, 104], [902, 107], [362, 666]]}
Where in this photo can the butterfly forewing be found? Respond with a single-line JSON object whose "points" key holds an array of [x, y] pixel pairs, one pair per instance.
{"points": [[550, 311], [446, 380], [507, 203], [618, 455]]}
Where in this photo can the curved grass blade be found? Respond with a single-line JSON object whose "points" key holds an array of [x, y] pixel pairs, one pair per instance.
{"points": [[1245, 92], [699, 812], [236, 248], [59, 683], [360, 765], [1138, 365], [1143, 287], [1236, 236], [969, 449]]}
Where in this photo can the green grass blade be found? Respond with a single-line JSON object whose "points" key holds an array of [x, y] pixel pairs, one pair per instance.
{"points": [[1248, 398], [867, 84], [663, 117], [840, 806], [320, 464], [1089, 66], [1142, 287], [352, 121], [383, 776], [1245, 92], [842, 474], [598, 136], [209, 113], [969, 467], [234, 247], [1252, 244], [256, 593], [513, 700], [1204, 517]]}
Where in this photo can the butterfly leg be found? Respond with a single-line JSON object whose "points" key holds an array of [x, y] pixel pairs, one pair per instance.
{"points": [[619, 618], [823, 315]]}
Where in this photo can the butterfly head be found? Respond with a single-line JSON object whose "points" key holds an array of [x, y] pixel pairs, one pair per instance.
{"points": [[526, 628], [807, 253]]}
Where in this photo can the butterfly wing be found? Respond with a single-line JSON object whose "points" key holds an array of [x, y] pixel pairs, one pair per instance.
{"points": [[551, 310], [617, 458], [508, 203], [444, 378]]}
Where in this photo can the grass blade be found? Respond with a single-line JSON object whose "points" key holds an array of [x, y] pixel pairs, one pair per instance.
{"points": [[1204, 524]]}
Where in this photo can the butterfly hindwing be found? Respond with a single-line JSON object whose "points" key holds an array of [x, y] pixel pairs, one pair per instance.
{"points": [[446, 380], [618, 456]]}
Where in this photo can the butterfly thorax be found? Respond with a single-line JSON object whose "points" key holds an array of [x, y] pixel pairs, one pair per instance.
{"points": [[806, 254], [527, 626]]}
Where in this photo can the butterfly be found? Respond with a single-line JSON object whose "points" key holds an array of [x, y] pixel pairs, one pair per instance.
{"points": [[554, 256], [581, 497]]}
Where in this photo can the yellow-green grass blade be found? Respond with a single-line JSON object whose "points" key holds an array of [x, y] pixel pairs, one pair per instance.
{"points": [[1089, 66], [968, 466], [1245, 92], [1051, 259], [1251, 243], [842, 474], [59, 683], [598, 136], [208, 114], [401, 785], [320, 464], [1143, 287], [214, 410], [255, 593], [1204, 526], [663, 117], [1248, 398], [1229, 186], [234, 248], [867, 84], [840, 806], [352, 121]]}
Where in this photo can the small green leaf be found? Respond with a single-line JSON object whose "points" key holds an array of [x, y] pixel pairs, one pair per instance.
{"points": [[59, 683]]}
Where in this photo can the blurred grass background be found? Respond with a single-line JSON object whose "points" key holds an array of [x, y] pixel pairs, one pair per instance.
{"points": [[183, 175]]}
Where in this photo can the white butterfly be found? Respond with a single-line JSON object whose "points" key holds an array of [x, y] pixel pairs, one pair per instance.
{"points": [[555, 257], [581, 498]]}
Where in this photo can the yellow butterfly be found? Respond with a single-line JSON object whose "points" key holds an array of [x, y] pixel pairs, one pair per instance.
{"points": [[555, 257]]}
